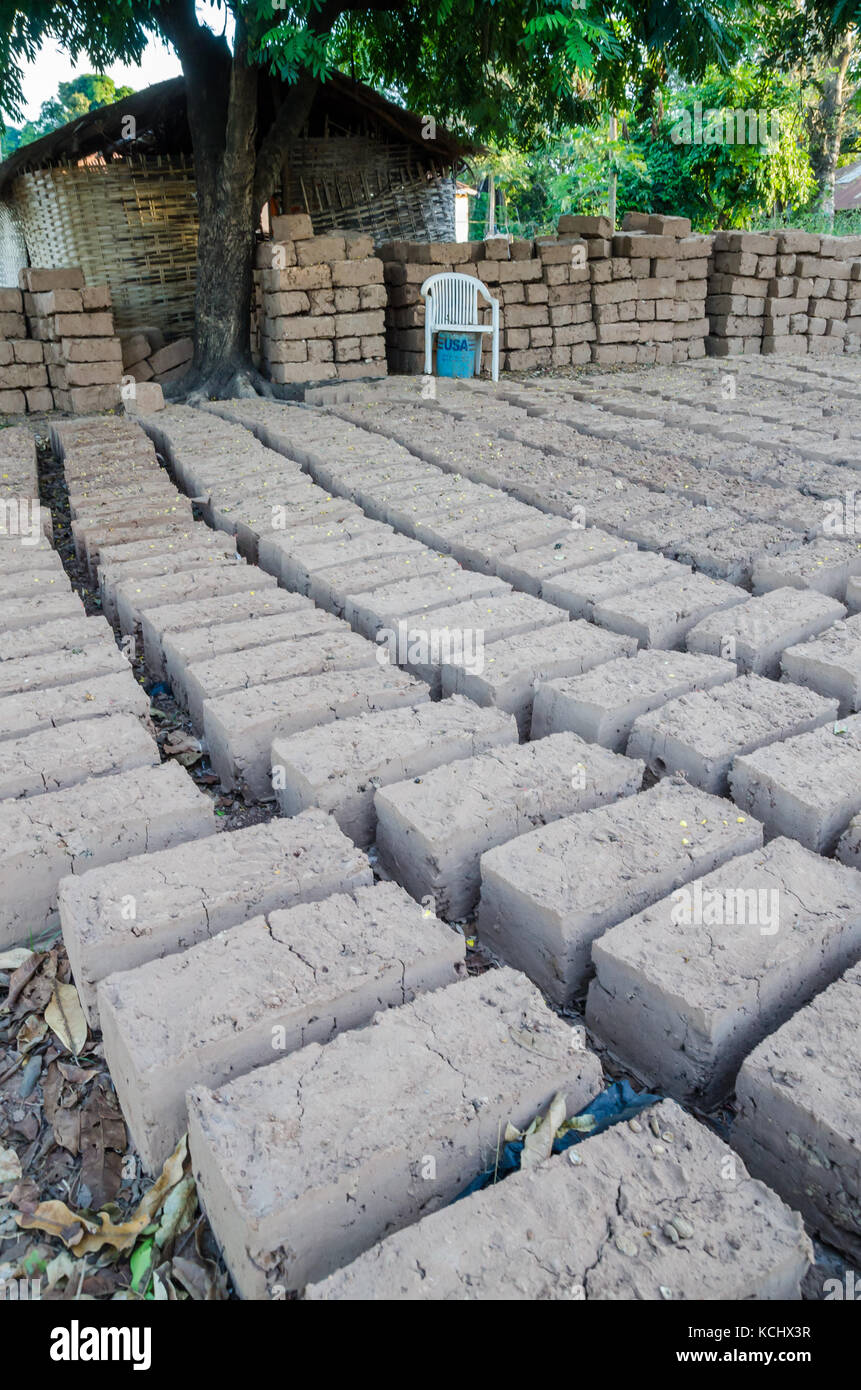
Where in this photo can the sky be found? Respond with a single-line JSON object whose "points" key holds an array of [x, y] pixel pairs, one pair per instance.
{"points": [[159, 63], [54, 66]]}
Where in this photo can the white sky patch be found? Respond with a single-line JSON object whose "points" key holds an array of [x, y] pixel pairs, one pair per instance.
{"points": [[54, 66]]}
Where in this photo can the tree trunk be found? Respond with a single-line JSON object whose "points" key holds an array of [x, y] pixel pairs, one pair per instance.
{"points": [[827, 129], [235, 172]]}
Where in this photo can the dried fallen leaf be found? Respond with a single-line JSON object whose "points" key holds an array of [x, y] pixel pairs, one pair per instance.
{"points": [[67, 1128], [11, 960], [538, 1142], [179, 1212], [10, 1166], [103, 1143], [32, 1031], [83, 1235], [56, 1219], [65, 1018], [33, 980]]}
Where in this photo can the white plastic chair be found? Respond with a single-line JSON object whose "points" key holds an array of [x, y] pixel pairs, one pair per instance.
{"points": [[452, 307]]}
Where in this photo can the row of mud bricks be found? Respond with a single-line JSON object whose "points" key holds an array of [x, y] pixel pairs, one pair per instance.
{"points": [[650, 293], [270, 979]]}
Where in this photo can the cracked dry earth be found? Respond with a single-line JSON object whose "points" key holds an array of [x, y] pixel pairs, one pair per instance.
{"points": [[446, 756]]}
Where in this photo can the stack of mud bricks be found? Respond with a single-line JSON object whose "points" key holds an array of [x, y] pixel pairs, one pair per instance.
{"points": [[147, 357], [319, 304], [542, 287], [829, 269], [75, 325], [648, 288], [787, 294], [23, 376]]}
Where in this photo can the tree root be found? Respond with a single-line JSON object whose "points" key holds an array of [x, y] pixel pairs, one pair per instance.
{"points": [[231, 382]]}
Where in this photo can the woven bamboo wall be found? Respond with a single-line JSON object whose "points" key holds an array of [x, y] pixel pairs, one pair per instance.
{"points": [[131, 223], [371, 186], [13, 252]]}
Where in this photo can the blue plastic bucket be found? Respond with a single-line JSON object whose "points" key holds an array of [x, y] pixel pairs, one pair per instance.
{"points": [[455, 354]]}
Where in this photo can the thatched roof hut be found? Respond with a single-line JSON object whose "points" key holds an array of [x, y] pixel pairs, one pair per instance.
{"points": [[114, 190]]}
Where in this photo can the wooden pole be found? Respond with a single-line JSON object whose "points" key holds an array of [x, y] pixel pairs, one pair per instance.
{"points": [[611, 195]]}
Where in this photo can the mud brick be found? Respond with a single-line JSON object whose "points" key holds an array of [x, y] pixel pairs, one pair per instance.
{"points": [[735, 241], [796, 1120], [643, 244], [11, 302], [600, 227], [692, 983], [57, 302], [808, 787], [319, 969], [699, 734], [84, 826], [25, 350], [602, 704], [96, 297], [340, 766], [357, 273], [292, 227], [580, 589], [240, 727], [829, 663], [53, 759], [755, 634], [546, 896], [90, 349], [403, 1052], [468, 1251], [38, 281], [186, 894], [12, 325]]}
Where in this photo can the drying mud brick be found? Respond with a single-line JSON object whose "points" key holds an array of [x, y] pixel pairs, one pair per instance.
{"points": [[43, 838], [432, 831], [699, 734], [799, 1101], [51, 707], [220, 611], [156, 905], [808, 787], [241, 727], [662, 615], [686, 988], [339, 766], [385, 607], [579, 591], [655, 1220], [63, 635], [424, 642], [603, 704], [513, 666], [825, 565], [134, 598], [260, 990], [333, 650], [546, 896], [36, 609], [755, 634], [52, 759], [65, 665], [528, 569], [183, 651], [829, 664], [322, 1204]]}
